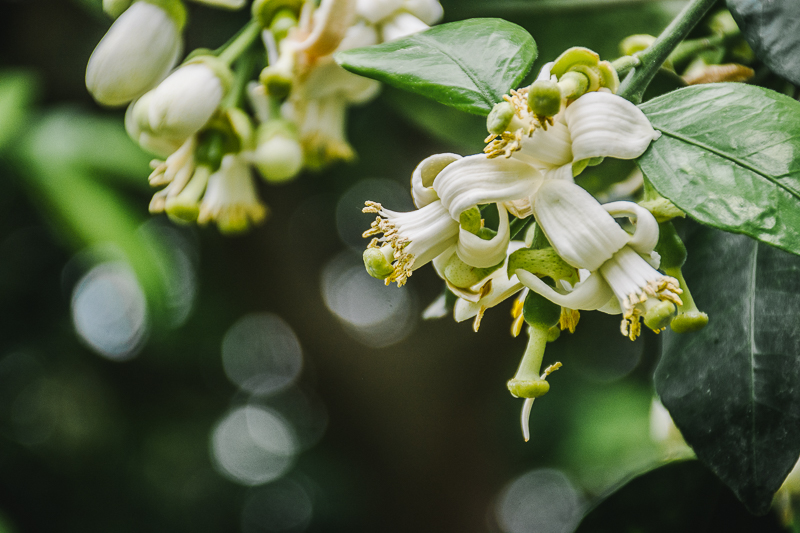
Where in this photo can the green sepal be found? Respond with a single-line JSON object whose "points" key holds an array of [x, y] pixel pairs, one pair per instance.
{"points": [[174, 8]]}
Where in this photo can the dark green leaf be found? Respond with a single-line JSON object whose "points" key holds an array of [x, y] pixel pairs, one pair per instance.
{"points": [[733, 388], [679, 496], [469, 65], [17, 90], [728, 157], [772, 29]]}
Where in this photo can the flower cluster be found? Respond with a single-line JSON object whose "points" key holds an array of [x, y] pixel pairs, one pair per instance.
{"points": [[576, 254], [193, 115]]}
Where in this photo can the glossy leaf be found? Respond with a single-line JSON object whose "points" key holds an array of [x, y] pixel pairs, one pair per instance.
{"points": [[468, 65], [733, 388], [772, 29], [679, 496], [728, 157]]}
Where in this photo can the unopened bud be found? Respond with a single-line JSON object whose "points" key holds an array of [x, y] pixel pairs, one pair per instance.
{"points": [[500, 117], [278, 155], [544, 98], [277, 80], [378, 262]]}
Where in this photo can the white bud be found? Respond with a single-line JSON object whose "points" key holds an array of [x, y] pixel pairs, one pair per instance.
{"points": [[428, 11], [279, 158], [182, 104], [402, 25], [161, 146], [376, 10], [138, 51]]}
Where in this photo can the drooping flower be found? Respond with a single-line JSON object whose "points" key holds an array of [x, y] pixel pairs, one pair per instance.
{"points": [[231, 200], [137, 52], [622, 265]]}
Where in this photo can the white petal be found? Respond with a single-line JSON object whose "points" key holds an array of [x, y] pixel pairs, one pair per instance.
{"points": [[428, 11], [645, 236], [563, 172], [544, 74], [185, 101], [577, 226], [331, 21], [328, 79], [551, 147], [606, 125], [376, 10], [503, 288], [358, 35], [139, 50], [436, 309], [476, 180], [588, 295], [425, 173], [402, 25], [480, 253]]}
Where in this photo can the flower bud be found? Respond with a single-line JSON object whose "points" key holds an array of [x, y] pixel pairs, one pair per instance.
{"points": [[544, 98], [402, 25], [279, 78], [137, 129], [278, 155], [184, 102], [635, 43], [138, 51]]}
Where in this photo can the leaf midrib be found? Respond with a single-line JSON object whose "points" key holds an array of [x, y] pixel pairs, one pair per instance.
{"points": [[727, 156], [484, 89], [752, 290]]}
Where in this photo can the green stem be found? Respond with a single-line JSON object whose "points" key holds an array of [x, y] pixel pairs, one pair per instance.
{"points": [[634, 85], [245, 68], [241, 42]]}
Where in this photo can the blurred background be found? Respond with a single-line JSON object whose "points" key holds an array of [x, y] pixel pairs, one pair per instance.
{"points": [[265, 383]]}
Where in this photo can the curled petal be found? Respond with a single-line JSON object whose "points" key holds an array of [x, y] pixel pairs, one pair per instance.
{"points": [[480, 253], [331, 22], [476, 180], [503, 288], [645, 236], [603, 124], [577, 226], [593, 293], [425, 173]]}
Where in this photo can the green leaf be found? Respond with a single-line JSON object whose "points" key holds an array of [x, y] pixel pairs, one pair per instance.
{"points": [[733, 388], [679, 496], [728, 157], [468, 65], [772, 29], [17, 91]]}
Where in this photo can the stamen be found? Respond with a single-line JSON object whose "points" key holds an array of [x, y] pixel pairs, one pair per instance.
{"points": [[569, 319], [476, 324]]}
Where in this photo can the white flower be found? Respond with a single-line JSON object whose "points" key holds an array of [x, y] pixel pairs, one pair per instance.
{"points": [[182, 104], [411, 239], [139, 50], [402, 25], [278, 156], [231, 200], [155, 144], [586, 236], [399, 18]]}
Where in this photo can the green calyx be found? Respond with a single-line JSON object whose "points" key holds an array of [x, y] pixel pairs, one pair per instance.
{"points": [[541, 312], [521, 388], [543, 263], [378, 265], [115, 8], [277, 80], [544, 98], [500, 117], [266, 10], [212, 145], [174, 8], [464, 276], [659, 316], [689, 318]]}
